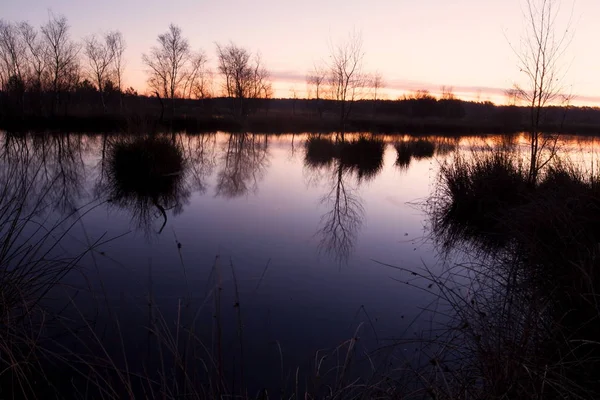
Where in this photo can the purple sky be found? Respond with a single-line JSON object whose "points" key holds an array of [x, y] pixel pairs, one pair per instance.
{"points": [[413, 44]]}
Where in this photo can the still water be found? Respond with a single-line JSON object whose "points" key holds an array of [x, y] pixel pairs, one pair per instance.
{"points": [[296, 235]]}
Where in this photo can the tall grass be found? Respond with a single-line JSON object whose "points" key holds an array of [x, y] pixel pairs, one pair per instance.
{"points": [[32, 263], [524, 319]]}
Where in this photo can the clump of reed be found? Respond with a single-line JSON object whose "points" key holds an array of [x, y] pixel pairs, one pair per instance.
{"points": [[145, 174]]}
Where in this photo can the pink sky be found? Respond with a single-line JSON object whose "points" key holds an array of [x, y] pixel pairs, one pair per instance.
{"points": [[414, 44]]}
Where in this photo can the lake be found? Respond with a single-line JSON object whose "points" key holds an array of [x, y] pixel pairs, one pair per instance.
{"points": [[273, 247]]}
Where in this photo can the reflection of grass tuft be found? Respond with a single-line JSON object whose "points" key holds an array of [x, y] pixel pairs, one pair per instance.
{"points": [[363, 155], [418, 149], [422, 148], [319, 151], [404, 156]]}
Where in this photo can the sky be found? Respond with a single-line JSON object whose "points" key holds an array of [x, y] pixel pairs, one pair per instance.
{"points": [[464, 44]]}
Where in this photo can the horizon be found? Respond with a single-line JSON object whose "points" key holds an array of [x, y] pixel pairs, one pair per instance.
{"points": [[408, 57]]}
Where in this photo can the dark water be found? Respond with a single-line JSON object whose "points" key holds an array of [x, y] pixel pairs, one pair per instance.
{"points": [[292, 235]]}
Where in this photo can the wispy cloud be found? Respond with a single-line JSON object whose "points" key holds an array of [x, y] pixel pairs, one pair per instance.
{"points": [[401, 85]]}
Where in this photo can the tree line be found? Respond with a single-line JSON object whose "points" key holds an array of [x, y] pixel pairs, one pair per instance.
{"points": [[43, 70]]}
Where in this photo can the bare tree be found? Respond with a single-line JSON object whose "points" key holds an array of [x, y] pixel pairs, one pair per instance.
{"points": [[62, 56], [294, 97], [539, 57], [196, 77], [376, 82], [316, 80], [170, 65], [346, 78], [116, 45], [12, 52], [99, 58], [203, 87], [244, 76], [448, 93], [512, 96], [13, 64], [36, 55]]}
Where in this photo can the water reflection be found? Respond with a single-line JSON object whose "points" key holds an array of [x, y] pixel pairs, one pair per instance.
{"points": [[420, 149], [339, 225], [146, 175], [54, 165], [199, 152], [243, 163], [343, 165]]}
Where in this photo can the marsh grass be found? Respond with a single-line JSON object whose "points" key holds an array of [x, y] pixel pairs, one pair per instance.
{"points": [[523, 311], [146, 175], [33, 262], [184, 361]]}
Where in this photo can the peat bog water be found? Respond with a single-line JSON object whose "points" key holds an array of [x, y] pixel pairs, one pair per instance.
{"points": [[292, 233]]}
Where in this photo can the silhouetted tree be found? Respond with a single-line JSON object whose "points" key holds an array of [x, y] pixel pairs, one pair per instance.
{"points": [[315, 81], [37, 60], [346, 77], [540, 57], [12, 52], [62, 57], [244, 76], [99, 56], [13, 64], [171, 65], [375, 82], [116, 45]]}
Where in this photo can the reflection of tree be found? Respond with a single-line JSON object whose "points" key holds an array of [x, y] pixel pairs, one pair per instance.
{"points": [[54, 164], [340, 224], [199, 152], [339, 162], [146, 176], [243, 164]]}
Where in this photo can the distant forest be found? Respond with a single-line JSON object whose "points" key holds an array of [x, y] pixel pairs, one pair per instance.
{"points": [[27, 110]]}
